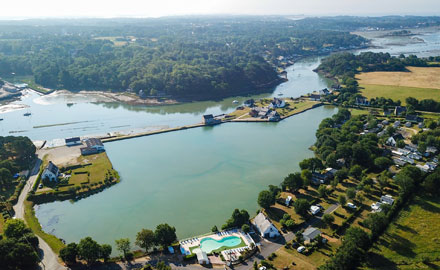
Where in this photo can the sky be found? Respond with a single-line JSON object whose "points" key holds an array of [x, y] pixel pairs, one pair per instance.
{"points": [[158, 8]]}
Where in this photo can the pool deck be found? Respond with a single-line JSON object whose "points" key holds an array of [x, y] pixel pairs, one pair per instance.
{"points": [[189, 243]]}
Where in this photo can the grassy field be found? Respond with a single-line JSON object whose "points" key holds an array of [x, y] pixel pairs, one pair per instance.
{"points": [[412, 238], [418, 77], [398, 92], [31, 220], [420, 82]]}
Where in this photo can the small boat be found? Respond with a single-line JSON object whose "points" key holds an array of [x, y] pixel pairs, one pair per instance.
{"points": [[280, 94], [235, 101], [27, 114], [1, 119]]}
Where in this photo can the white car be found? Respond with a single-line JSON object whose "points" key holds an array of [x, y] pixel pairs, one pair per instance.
{"points": [[301, 249], [351, 205]]}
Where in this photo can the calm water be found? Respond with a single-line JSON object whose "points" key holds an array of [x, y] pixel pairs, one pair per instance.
{"points": [[192, 179]]}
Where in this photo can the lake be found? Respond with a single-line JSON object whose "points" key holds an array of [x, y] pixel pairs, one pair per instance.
{"points": [[191, 179]]}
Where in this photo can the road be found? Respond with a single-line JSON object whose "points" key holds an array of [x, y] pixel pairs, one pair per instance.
{"points": [[49, 258]]}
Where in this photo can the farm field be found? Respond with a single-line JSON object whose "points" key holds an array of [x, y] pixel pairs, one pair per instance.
{"points": [[414, 237], [421, 83]]}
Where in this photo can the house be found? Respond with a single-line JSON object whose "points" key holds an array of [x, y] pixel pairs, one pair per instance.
{"points": [[324, 92], [431, 149], [288, 200], [277, 103], [273, 116], [385, 122], [315, 97], [392, 141], [72, 141], [253, 113], [249, 103], [399, 110], [396, 124], [375, 207], [362, 101], [95, 144], [330, 172], [423, 168], [142, 94], [340, 162], [388, 199], [408, 124], [88, 151], [414, 119], [310, 234], [51, 172], [208, 119], [202, 257], [265, 227], [319, 178]]}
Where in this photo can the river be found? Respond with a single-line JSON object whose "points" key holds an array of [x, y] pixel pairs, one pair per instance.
{"points": [[191, 179]]}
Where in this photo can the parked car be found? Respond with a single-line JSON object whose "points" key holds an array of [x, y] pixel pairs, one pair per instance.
{"points": [[301, 249], [351, 205], [40, 186]]}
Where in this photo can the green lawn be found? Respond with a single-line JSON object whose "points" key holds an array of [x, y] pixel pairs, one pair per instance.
{"points": [[411, 238], [399, 92]]}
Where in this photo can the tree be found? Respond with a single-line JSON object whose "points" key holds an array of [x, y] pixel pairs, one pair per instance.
{"points": [[290, 224], [328, 219], [312, 164], [405, 183], [376, 222], [238, 218], [214, 229], [89, 250], [266, 199], [162, 266], [16, 255], [123, 245], [301, 206], [341, 174], [165, 235], [68, 253], [322, 191], [306, 175], [432, 183], [382, 163], [293, 182], [15, 228], [355, 171], [106, 251], [342, 199], [245, 228], [145, 239], [351, 193]]}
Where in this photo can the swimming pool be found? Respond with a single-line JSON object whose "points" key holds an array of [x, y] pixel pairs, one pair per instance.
{"points": [[209, 244]]}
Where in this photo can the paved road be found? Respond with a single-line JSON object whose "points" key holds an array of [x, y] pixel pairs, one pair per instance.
{"points": [[49, 258], [331, 208]]}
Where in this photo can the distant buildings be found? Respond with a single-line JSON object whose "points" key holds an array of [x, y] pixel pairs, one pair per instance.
{"points": [[51, 172], [362, 101], [399, 110], [277, 103]]}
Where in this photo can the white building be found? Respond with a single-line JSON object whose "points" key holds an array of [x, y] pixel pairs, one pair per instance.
{"points": [[202, 257], [288, 199], [265, 227], [51, 172], [388, 199], [73, 141]]}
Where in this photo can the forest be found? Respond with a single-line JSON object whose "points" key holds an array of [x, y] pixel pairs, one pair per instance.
{"points": [[189, 58]]}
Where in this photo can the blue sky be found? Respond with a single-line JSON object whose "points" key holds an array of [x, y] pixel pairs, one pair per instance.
{"points": [[156, 8]]}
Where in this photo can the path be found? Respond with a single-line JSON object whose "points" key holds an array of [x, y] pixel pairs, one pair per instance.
{"points": [[49, 258]]}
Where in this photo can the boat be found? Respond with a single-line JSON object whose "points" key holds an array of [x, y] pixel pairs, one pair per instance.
{"points": [[280, 94], [27, 114], [235, 101], [1, 119]]}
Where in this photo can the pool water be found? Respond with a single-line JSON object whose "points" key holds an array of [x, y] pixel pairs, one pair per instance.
{"points": [[209, 244]]}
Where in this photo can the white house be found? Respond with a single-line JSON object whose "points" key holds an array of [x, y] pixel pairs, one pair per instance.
{"points": [[51, 172], [311, 233], [277, 103], [265, 227], [202, 257]]}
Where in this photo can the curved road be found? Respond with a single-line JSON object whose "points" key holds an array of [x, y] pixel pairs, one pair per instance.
{"points": [[49, 258]]}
